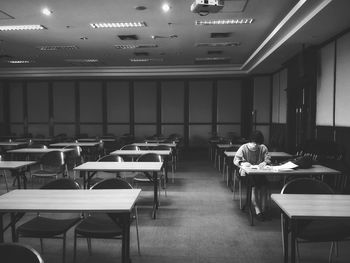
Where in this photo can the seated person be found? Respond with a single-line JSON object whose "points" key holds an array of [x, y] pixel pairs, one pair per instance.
{"points": [[255, 153]]}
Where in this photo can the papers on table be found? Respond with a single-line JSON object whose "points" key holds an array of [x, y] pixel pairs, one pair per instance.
{"points": [[288, 166]]}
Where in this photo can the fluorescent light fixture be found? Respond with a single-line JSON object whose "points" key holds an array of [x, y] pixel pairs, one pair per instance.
{"points": [[223, 44], [46, 11], [20, 61], [166, 7], [131, 46], [82, 60], [146, 60], [237, 21], [212, 59], [56, 48], [118, 25], [21, 27]]}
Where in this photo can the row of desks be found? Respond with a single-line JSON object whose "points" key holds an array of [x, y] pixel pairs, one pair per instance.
{"points": [[293, 206]]}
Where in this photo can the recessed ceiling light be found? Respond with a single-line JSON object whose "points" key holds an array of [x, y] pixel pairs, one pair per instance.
{"points": [[237, 21], [22, 27], [166, 7], [118, 25], [46, 11]]}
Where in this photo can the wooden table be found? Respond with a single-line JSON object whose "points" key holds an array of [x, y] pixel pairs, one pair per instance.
{"points": [[136, 153], [313, 171], [275, 156], [18, 169], [11, 145], [72, 201], [219, 152], [150, 145], [38, 151], [81, 144], [307, 206], [152, 167]]}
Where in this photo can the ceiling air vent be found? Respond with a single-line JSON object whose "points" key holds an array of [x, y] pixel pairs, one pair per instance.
{"points": [[215, 52], [212, 60], [220, 35], [141, 54], [128, 37]]}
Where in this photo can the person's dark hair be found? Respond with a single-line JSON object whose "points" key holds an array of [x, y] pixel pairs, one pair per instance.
{"points": [[257, 137]]}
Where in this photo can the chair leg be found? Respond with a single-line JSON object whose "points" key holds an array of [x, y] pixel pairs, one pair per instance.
{"points": [[88, 240], [64, 248], [333, 244], [6, 182], [41, 246], [75, 248], [297, 250], [240, 194]]}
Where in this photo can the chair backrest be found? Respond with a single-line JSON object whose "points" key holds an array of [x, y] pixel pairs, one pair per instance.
{"points": [[62, 183], [112, 183], [149, 157], [306, 186], [37, 146], [111, 158], [162, 147], [19, 253], [76, 150], [53, 159], [130, 147]]}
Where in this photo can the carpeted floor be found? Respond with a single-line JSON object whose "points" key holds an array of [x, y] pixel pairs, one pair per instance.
{"points": [[197, 222]]}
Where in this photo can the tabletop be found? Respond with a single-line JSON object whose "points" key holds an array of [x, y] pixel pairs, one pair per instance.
{"points": [[82, 144], [316, 169], [39, 150], [144, 144], [35, 200], [140, 152], [313, 206], [121, 166], [12, 143], [9, 165], [272, 154]]}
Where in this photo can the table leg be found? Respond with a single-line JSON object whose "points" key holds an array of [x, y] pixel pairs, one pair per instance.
{"points": [[229, 173], [126, 238], [2, 230], [285, 224], [155, 194], [292, 240]]}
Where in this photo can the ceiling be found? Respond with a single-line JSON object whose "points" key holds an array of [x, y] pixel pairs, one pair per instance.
{"points": [[279, 30]]}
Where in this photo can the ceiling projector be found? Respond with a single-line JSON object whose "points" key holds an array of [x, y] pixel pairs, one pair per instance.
{"points": [[207, 6]]}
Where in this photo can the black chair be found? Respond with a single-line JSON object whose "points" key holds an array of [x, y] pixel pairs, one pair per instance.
{"points": [[19, 253], [315, 230], [107, 158], [52, 164], [104, 226], [146, 177], [3, 174], [170, 160], [73, 158], [132, 148], [47, 227]]}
